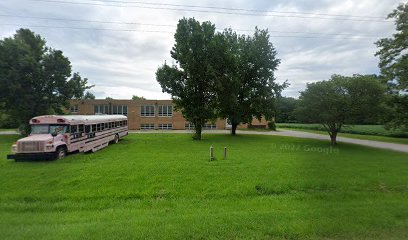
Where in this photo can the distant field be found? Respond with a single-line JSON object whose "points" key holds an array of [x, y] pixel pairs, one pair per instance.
{"points": [[162, 186], [375, 130], [6, 129]]}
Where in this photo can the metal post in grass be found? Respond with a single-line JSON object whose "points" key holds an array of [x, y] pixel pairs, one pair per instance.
{"points": [[225, 153], [211, 153]]}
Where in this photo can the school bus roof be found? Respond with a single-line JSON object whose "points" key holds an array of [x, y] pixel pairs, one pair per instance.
{"points": [[75, 119]]}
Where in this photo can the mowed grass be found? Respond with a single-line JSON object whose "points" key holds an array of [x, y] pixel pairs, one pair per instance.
{"points": [[162, 186]]}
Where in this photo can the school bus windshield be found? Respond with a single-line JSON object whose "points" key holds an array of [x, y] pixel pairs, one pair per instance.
{"points": [[47, 129]]}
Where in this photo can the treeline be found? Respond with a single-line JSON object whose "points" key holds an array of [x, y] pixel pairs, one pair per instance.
{"points": [[35, 79]]}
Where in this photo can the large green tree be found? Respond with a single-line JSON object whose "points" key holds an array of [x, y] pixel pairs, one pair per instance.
{"points": [[35, 79], [393, 51], [393, 54], [341, 100], [190, 81], [246, 86]]}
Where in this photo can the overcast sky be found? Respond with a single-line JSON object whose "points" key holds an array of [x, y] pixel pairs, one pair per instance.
{"points": [[121, 43]]}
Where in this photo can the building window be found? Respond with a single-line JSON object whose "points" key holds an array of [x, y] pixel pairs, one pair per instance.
{"points": [[166, 126], [189, 126], [73, 109], [147, 111], [120, 110], [147, 126], [101, 109], [165, 110], [209, 126]]}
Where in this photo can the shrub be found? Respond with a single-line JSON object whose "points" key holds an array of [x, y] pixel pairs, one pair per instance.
{"points": [[272, 126]]}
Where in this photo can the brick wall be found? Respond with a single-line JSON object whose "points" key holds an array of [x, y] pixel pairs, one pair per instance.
{"points": [[86, 107]]}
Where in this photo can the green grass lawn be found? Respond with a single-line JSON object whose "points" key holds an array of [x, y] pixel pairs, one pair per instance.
{"points": [[162, 186]]}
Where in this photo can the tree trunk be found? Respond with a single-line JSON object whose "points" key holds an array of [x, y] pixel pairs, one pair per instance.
{"points": [[234, 128], [197, 135], [333, 137]]}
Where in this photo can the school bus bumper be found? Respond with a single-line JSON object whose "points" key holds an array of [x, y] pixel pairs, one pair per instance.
{"points": [[32, 156]]}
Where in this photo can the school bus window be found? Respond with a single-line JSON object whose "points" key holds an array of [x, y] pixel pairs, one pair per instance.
{"points": [[80, 128], [74, 128]]}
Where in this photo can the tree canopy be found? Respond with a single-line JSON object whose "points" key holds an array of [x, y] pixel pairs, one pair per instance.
{"points": [[246, 86], [393, 54], [285, 109], [135, 97], [393, 51], [220, 75], [190, 81], [341, 100], [88, 95], [35, 79]]}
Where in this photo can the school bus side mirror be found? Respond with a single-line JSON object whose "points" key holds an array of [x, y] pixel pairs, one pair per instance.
{"points": [[54, 134]]}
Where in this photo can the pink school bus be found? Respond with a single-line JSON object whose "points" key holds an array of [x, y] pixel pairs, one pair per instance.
{"points": [[53, 136]]}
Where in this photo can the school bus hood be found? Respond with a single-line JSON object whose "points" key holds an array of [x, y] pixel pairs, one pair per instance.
{"points": [[37, 137]]}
